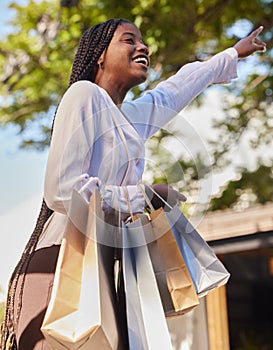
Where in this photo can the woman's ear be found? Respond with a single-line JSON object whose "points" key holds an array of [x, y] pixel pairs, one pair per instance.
{"points": [[101, 61], [99, 68]]}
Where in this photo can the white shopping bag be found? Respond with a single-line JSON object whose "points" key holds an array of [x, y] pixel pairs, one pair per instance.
{"points": [[147, 326]]}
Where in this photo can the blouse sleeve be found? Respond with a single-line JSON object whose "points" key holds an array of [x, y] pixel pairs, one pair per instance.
{"points": [[71, 149], [156, 107]]}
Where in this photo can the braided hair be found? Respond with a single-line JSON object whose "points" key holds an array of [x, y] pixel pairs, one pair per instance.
{"points": [[92, 44]]}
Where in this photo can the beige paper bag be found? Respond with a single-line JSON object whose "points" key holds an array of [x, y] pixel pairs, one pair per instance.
{"points": [[81, 313], [175, 285]]}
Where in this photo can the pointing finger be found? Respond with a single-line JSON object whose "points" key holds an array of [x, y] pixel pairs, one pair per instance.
{"points": [[256, 32]]}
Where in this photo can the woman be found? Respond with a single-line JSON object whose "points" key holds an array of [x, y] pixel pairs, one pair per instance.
{"points": [[98, 141]]}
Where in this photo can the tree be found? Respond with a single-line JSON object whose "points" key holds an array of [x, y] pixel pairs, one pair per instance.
{"points": [[252, 187], [37, 57]]}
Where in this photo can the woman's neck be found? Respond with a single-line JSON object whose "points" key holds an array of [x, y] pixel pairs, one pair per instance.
{"points": [[116, 92]]}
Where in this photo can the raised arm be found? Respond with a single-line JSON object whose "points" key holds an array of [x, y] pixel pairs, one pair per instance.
{"points": [[158, 106]]}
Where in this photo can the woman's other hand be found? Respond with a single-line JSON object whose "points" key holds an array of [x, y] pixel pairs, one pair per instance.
{"points": [[167, 193], [250, 44]]}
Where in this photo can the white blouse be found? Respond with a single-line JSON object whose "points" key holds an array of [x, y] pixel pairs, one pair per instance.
{"points": [[96, 144]]}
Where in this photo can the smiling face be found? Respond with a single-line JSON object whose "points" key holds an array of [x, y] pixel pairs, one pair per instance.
{"points": [[125, 61]]}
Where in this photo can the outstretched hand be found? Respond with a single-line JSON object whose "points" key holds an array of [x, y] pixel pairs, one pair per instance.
{"points": [[250, 44]]}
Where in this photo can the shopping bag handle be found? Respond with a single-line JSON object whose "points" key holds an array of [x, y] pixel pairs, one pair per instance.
{"points": [[149, 203], [126, 196]]}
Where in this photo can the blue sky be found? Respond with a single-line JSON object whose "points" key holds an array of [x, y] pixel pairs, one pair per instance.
{"points": [[21, 174]]}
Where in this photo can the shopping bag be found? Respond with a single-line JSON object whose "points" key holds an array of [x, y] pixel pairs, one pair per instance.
{"points": [[147, 327], [81, 312], [174, 282], [206, 270]]}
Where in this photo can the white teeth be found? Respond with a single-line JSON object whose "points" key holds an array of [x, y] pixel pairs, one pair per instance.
{"points": [[142, 60]]}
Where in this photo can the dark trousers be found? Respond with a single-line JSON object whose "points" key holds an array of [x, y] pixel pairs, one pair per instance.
{"points": [[36, 294]]}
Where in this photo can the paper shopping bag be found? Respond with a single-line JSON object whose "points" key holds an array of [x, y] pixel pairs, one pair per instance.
{"points": [[207, 271], [175, 285], [147, 327], [81, 313]]}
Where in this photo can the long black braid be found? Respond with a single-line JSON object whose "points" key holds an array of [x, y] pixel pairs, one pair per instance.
{"points": [[93, 42]]}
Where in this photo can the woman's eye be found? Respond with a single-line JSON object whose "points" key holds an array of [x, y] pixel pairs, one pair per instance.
{"points": [[130, 41]]}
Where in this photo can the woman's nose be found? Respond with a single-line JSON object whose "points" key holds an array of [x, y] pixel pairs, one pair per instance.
{"points": [[143, 48]]}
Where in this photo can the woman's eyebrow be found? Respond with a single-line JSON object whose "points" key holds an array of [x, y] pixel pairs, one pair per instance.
{"points": [[130, 33]]}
